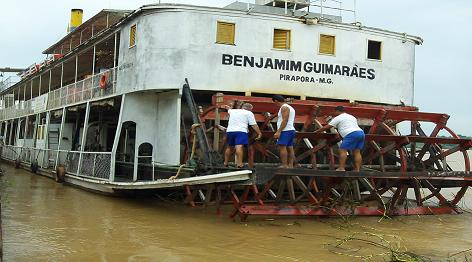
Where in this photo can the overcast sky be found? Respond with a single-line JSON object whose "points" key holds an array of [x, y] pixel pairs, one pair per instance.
{"points": [[442, 84]]}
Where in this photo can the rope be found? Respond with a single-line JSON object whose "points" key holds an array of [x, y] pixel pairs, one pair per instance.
{"points": [[177, 174], [194, 146]]}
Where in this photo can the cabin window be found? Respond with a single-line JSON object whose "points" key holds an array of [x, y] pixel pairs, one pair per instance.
{"points": [[132, 36], [327, 44], [374, 50], [282, 39], [225, 33]]}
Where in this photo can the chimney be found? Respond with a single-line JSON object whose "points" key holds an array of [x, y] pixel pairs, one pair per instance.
{"points": [[75, 19]]}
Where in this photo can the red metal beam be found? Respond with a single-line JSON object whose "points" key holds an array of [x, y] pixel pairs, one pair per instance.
{"points": [[441, 140], [339, 211]]}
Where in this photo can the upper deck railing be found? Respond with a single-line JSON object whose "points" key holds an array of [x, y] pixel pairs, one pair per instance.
{"points": [[75, 93]]}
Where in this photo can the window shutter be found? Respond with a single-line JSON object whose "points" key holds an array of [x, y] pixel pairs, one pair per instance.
{"points": [[281, 39], [132, 36], [327, 44], [225, 33]]}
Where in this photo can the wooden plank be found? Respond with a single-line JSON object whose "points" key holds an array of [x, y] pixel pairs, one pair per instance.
{"points": [[373, 192], [235, 176], [280, 191], [416, 188], [208, 194], [305, 190], [291, 190], [442, 175]]}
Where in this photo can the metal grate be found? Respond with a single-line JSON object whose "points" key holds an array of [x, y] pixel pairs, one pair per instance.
{"points": [[96, 165]]}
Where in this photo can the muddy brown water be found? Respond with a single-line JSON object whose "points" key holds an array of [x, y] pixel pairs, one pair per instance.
{"points": [[46, 221]]}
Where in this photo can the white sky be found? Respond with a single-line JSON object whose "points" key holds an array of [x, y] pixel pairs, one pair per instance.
{"points": [[442, 84]]}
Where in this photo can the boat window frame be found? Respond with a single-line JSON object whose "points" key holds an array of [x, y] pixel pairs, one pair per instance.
{"points": [[380, 50]]}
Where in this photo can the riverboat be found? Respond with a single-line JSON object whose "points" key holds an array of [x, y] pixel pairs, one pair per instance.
{"points": [[130, 100]]}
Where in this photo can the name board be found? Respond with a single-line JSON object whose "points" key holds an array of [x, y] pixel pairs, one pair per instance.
{"points": [[39, 104], [289, 68]]}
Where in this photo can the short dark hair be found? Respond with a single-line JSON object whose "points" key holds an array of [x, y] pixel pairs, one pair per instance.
{"points": [[278, 98], [339, 108]]}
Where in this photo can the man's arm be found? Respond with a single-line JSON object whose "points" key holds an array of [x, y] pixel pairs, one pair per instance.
{"points": [[258, 131], [326, 127], [285, 115], [252, 122]]}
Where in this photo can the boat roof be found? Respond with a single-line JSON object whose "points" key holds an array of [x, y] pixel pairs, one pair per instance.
{"points": [[108, 17], [82, 33]]}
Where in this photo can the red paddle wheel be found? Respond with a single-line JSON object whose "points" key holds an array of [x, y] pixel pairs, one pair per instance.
{"points": [[402, 174]]}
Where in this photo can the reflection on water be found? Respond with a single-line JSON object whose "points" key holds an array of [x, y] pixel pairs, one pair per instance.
{"points": [[46, 221]]}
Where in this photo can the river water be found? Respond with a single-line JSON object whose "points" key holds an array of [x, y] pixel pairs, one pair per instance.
{"points": [[46, 221]]}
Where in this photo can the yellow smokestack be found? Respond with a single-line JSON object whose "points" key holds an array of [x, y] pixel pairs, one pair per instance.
{"points": [[75, 19]]}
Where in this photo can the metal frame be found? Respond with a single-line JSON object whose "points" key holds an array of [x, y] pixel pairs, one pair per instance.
{"points": [[396, 162]]}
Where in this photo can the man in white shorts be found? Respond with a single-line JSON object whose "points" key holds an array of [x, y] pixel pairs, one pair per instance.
{"points": [[237, 132], [352, 134]]}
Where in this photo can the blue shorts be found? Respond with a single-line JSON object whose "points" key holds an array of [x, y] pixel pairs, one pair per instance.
{"points": [[237, 138], [353, 140], [286, 138]]}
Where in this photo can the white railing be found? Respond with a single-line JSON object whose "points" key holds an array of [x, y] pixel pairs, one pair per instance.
{"points": [[45, 158], [11, 152], [83, 90], [80, 91], [15, 111], [95, 165], [339, 8]]}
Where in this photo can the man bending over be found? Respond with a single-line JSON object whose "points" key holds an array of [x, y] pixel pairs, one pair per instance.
{"points": [[352, 135], [237, 132]]}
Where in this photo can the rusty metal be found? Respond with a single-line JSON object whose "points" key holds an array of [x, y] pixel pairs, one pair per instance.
{"points": [[396, 164]]}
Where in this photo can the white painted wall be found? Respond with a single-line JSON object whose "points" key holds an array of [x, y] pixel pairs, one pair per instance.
{"points": [[175, 44], [157, 118], [167, 147]]}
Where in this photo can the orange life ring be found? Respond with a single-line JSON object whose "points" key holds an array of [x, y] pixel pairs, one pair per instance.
{"points": [[104, 81]]}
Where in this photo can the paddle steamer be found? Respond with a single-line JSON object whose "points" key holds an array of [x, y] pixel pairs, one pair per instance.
{"points": [[128, 99]]}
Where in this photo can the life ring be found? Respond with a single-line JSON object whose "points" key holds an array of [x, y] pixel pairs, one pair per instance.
{"points": [[104, 81]]}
